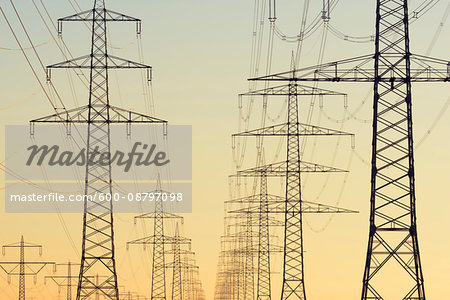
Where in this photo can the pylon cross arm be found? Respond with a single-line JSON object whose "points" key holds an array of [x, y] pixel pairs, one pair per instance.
{"points": [[81, 115], [283, 130], [150, 240], [256, 223], [285, 90], [360, 69], [279, 207], [14, 266], [112, 62], [279, 169], [105, 15], [88, 15], [254, 199], [155, 215]]}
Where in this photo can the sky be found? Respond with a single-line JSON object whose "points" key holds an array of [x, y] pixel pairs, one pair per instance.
{"points": [[200, 52]]}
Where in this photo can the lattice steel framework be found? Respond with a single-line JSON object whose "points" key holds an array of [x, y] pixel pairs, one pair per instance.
{"points": [[158, 262], [159, 240], [293, 275], [393, 226], [190, 276], [263, 287], [393, 199], [291, 206], [22, 268], [177, 283], [65, 280], [98, 255]]}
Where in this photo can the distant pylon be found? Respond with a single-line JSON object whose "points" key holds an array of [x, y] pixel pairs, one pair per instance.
{"points": [[158, 240], [177, 283], [65, 280], [26, 268], [263, 290], [158, 288]]}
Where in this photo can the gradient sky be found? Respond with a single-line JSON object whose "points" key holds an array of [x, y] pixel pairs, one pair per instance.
{"points": [[200, 52]]}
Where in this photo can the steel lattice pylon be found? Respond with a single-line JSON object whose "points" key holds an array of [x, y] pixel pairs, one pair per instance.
{"points": [[98, 257], [292, 206], [65, 280], [263, 281], [293, 275], [159, 239], [177, 283], [98, 253], [23, 268], [393, 230], [393, 199], [158, 262]]}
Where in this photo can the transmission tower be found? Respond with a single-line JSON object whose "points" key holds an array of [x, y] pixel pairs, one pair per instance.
{"points": [[177, 283], [65, 280], [262, 222], [293, 276], [158, 240], [23, 268], [236, 258], [227, 275], [263, 205], [184, 283], [185, 273], [132, 296], [263, 281], [393, 227], [98, 233], [191, 282]]}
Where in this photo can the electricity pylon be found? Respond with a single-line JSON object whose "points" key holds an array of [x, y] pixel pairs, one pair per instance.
{"points": [[22, 268], [263, 290], [98, 255], [132, 296], [227, 275], [65, 280], [293, 276], [158, 240], [263, 251], [182, 287], [237, 257], [393, 227], [190, 276], [177, 282], [270, 204], [184, 272]]}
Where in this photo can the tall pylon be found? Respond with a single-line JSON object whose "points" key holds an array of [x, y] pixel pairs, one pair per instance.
{"points": [[98, 254], [393, 197], [293, 275], [393, 227]]}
